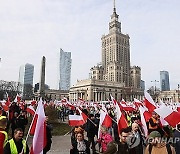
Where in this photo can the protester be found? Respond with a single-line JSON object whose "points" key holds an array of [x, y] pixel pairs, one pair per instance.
{"points": [[154, 123], [3, 133], [104, 138], [176, 136], [121, 146], [157, 146], [80, 146], [90, 128], [14, 122], [138, 140], [17, 144], [22, 120], [48, 136]]}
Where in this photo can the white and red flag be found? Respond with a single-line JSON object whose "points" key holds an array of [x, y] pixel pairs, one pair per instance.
{"points": [[38, 129], [143, 120], [121, 120], [172, 117], [76, 120], [148, 102], [30, 110], [18, 98]]}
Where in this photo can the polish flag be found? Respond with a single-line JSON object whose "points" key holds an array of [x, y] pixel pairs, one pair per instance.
{"points": [[113, 100], [30, 110], [172, 117], [38, 129], [33, 102], [106, 119], [8, 102], [121, 120], [18, 98], [143, 120], [76, 120], [149, 103], [85, 117], [137, 103]]}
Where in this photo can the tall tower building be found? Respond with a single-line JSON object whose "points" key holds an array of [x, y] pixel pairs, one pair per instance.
{"points": [[26, 73], [64, 70], [164, 81], [42, 77], [116, 53]]}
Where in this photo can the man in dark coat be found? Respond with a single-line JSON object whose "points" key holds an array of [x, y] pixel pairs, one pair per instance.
{"points": [[48, 137], [91, 127], [176, 136]]}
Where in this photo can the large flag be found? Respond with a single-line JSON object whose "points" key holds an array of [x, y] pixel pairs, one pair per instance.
{"points": [[76, 120], [149, 103], [121, 120], [172, 117], [38, 129]]}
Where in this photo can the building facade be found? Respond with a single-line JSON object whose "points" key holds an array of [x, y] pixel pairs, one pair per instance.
{"points": [[64, 70], [113, 75], [26, 73], [164, 81]]}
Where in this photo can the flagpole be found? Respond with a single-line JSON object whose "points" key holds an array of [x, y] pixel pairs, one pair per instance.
{"points": [[30, 127]]}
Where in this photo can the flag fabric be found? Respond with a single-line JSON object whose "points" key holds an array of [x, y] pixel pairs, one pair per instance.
{"points": [[38, 129], [143, 121], [17, 99], [76, 120], [149, 103], [172, 117], [85, 117], [121, 120], [30, 110]]}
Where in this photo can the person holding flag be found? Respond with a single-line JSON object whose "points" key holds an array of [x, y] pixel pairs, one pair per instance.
{"points": [[3, 133]]}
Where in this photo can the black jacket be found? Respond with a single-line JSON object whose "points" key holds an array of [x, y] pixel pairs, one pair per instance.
{"points": [[75, 150]]}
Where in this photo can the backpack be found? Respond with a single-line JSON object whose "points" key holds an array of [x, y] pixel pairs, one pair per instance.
{"points": [[168, 147]]}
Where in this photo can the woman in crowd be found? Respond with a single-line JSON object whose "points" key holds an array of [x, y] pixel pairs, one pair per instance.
{"points": [[80, 145], [104, 138]]}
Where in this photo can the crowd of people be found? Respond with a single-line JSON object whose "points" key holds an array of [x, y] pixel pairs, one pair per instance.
{"points": [[130, 140], [12, 130]]}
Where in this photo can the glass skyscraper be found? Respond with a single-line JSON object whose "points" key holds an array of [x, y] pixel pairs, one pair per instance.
{"points": [[164, 81], [64, 70], [26, 73]]}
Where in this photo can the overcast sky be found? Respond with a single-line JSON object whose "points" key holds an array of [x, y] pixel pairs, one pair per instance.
{"points": [[30, 29]]}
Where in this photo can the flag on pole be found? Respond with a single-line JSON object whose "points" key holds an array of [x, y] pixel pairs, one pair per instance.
{"points": [[172, 117], [149, 103], [76, 120], [38, 129], [143, 121]]}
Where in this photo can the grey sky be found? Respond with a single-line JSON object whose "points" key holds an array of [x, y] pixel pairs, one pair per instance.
{"points": [[30, 29]]}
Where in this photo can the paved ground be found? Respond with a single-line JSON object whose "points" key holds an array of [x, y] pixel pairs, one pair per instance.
{"points": [[60, 145]]}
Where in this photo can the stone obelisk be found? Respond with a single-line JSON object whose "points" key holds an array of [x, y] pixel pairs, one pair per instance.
{"points": [[42, 78]]}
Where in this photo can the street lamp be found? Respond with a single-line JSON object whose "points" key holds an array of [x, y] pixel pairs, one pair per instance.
{"points": [[155, 81]]}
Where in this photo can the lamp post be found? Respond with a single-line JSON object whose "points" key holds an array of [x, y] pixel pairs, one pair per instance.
{"points": [[155, 81]]}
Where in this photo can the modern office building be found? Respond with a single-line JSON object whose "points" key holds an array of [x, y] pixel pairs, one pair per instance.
{"points": [[26, 73], [64, 70], [164, 81]]}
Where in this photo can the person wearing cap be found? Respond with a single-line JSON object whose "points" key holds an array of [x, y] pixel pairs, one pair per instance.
{"points": [[157, 146], [3, 133]]}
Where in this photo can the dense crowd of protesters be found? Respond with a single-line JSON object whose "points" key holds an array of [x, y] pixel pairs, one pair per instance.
{"points": [[130, 140]]}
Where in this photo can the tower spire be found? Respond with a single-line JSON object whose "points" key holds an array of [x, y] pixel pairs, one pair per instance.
{"points": [[114, 4]]}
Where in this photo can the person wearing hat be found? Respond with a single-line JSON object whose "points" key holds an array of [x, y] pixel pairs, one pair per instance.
{"points": [[3, 133], [157, 146]]}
